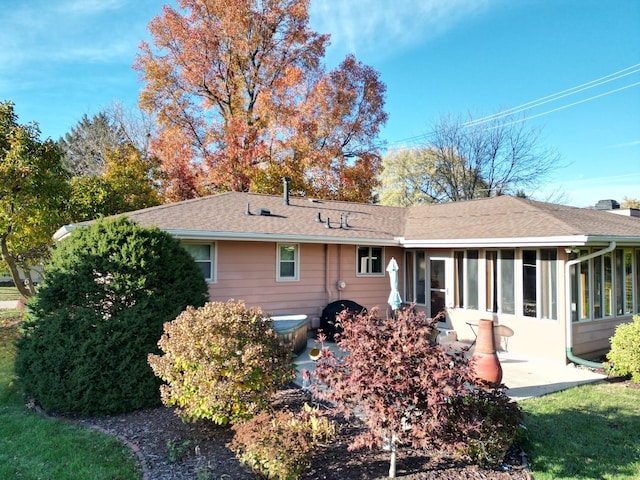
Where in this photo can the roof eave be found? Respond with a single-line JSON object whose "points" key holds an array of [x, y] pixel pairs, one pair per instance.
{"points": [[272, 237]]}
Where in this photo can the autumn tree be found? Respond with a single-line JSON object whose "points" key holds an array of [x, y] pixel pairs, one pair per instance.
{"points": [[242, 100], [410, 391], [33, 194]]}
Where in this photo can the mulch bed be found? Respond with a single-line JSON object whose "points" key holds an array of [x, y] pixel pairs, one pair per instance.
{"points": [[171, 449]]}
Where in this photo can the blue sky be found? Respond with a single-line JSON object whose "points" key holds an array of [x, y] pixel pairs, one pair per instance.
{"points": [[61, 59]]}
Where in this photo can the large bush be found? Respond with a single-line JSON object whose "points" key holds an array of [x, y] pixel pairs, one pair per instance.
{"points": [[221, 362], [109, 289], [624, 356]]}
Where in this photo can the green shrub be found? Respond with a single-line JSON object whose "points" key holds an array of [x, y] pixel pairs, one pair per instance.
{"points": [[624, 356], [492, 422], [221, 362], [109, 289], [280, 445]]}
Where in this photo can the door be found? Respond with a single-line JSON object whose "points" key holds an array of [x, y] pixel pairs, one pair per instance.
{"points": [[438, 286]]}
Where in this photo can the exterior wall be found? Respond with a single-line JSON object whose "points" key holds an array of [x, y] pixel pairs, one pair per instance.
{"points": [[247, 271], [592, 339]]}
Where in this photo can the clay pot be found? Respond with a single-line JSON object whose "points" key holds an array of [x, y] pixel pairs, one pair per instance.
{"points": [[486, 363]]}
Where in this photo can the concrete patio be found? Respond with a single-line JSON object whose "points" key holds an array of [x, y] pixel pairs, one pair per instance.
{"points": [[525, 378]]}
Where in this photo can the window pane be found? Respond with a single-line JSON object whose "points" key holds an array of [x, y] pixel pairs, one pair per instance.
{"points": [[198, 251], [507, 281], [597, 287], [548, 284], [287, 269], [628, 282], [585, 298], [376, 260], [205, 268], [619, 283], [472, 280], [529, 282], [458, 281], [608, 285], [409, 277], [287, 252], [421, 286], [491, 281], [637, 280]]}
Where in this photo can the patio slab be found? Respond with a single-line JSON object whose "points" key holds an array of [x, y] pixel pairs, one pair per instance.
{"points": [[524, 377]]}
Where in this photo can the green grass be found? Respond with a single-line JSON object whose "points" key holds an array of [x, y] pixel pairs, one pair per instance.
{"points": [[33, 446], [587, 432], [9, 293]]}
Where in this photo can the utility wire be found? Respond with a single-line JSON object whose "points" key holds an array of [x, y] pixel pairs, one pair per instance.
{"points": [[543, 100]]}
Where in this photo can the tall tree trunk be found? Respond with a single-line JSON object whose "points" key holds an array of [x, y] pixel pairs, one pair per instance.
{"points": [[15, 274]]}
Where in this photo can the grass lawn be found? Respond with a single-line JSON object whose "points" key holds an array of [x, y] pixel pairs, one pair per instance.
{"points": [[587, 432], [33, 446], [9, 293]]}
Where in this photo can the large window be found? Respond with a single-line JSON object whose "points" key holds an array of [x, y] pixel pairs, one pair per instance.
{"points": [[288, 262], [466, 280], [606, 285], [540, 283], [204, 255], [370, 261], [415, 279], [499, 278]]}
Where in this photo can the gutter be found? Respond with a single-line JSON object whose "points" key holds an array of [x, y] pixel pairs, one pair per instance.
{"points": [[568, 321]]}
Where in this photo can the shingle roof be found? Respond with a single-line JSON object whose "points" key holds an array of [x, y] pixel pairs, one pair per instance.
{"points": [[485, 220]]}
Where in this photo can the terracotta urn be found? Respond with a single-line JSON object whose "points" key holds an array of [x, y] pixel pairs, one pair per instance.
{"points": [[486, 364]]}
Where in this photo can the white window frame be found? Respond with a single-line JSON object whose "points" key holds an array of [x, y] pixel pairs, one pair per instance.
{"points": [[367, 267], [213, 259], [295, 261]]}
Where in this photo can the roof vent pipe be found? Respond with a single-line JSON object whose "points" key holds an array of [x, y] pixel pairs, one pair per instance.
{"points": [[286, 181], [318, 218], [248, 210]]}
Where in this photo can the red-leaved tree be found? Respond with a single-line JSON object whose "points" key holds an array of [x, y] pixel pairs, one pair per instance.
{"points": [[242, 100], [408, 390]]}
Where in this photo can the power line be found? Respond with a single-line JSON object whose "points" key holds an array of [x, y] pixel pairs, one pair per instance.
{"points": [[543, 100], [558, 95]]}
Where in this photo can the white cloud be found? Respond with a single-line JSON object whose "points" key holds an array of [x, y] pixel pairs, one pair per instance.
{"points": [[380, 27]]}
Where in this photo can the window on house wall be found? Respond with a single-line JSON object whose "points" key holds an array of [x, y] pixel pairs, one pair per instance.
{"points": [[529, 290], [624, 281], [539, 283], [607, 284], [499, 280], [584, 283], [416, 273], [288, 262], [507, 281], [466, 279], [204, 255], [370, 261], [549, 283]]}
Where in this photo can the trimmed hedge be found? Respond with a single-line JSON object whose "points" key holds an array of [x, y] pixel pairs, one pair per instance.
{"points": [[109, 288]]}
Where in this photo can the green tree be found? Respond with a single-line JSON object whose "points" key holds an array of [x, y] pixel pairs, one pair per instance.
{"points": [[628, 202], [127, 183], [33, 194], [109, 289]]}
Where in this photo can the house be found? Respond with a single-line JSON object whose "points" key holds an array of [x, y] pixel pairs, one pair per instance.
{"points": [[562, 278]]}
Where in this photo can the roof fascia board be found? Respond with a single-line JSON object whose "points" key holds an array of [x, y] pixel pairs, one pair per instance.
{"points": [[573, 240], [266, 237]]}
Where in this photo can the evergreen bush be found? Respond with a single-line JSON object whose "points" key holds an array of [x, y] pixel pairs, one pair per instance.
{"points": [[624, 356], [222, 362], [108, 290]]}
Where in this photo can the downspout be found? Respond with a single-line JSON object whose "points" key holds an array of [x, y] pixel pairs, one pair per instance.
{"points": [[568, 320]]}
